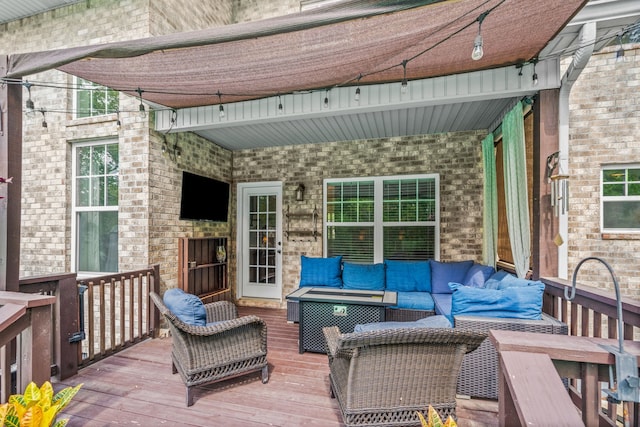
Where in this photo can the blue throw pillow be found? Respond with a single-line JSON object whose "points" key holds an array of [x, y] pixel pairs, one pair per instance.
{"points": [[494, 281], [478, 275], [368, 277], [408, 276], [444, 272], [515, 302], [427, 322], [187, 307], [320, 271]]}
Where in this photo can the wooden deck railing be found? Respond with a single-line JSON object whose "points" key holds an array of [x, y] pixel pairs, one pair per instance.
{"points": [[592, 313], [25, 321], [116, 314]]}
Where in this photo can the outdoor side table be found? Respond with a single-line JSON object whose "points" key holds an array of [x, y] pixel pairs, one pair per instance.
{"points": [[344, 308]]}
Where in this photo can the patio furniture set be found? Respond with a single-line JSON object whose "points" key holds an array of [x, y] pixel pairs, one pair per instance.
{"points": [[382, 370]]}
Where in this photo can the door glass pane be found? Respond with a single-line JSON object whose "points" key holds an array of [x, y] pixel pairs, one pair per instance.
{"points": [[262, 248]]}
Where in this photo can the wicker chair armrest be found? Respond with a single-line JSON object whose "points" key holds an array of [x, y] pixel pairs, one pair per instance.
{"points": [[332, 337], [220, 310], [354, 340], [222, 326]]}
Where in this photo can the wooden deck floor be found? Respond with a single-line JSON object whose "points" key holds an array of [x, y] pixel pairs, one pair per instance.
{"points": [[136, 387]]}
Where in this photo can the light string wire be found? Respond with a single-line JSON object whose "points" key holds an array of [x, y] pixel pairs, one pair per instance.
{"points": [[356, 79]]}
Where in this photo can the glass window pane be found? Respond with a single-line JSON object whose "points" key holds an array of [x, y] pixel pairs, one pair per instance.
{"points": [[613, 190], [427, 210], [82, 192], [613, 175], [83, 102], [409, 242], [622, 215], [97, 160], [83, 161], [98, 241], [113, 158], [633, 175], [112, 191], [634, 189], [355, 244]]}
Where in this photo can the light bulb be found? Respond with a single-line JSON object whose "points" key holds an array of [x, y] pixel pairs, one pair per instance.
{"points": [[477, 48], [326, 102], [357, 95], [620, 55], [403, 86], [535, 79], [221, 111]]}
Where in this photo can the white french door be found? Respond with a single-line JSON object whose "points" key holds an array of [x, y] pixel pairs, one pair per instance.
{"points": [[260, 240]]}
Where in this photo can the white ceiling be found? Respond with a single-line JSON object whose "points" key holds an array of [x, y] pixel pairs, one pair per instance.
{"points": [[10, 10]]}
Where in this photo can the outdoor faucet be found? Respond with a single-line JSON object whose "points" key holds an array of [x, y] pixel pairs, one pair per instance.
{"points": [[626, 386]]}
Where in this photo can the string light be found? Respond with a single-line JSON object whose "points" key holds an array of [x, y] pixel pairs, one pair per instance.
{"points": [[44, 119], [620, 51], [326, 99], [280, 107], [221, 107], [141, 109], [478, 50], [118, 122], [29, 105], [535, 75], [404, 84], [356, 97]]}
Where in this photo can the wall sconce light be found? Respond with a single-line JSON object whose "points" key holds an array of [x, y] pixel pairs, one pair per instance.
{"points": [[300, 193]]}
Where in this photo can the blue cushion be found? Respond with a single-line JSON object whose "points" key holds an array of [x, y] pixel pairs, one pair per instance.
{"points": [[444, 272], [187, 307], [514, 302], [442, 303], [408, 276], [415, 300], [368, 277], [494, 281], [478, 275], [427, 322], [320, 271]]}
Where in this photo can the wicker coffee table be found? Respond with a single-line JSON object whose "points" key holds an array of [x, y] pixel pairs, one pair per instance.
{"points": [[344, 308]]}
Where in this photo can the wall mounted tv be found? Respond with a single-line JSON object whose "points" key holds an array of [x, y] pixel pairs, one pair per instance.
{"points": [[203, 199]]}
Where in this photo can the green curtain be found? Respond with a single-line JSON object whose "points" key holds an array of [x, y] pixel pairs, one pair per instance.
{"points": [[490, 217], [515, 184]]}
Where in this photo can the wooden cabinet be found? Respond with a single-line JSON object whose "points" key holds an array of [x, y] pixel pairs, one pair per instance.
{"points": [[202, 267]]}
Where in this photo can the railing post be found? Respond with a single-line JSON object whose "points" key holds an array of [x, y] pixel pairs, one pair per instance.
{"points": [[66, 316], [154, 314]]}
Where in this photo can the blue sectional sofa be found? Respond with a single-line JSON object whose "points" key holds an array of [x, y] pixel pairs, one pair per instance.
{"points": [[422, 286]]}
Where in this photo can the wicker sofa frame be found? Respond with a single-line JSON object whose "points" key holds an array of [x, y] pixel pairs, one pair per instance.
{"points": [[479, 371], [381, 378], [391, 314], [205, 354]]}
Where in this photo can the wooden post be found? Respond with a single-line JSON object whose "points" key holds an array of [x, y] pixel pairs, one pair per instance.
{"points": [[545, 224], [66, 314], [10, 167]]}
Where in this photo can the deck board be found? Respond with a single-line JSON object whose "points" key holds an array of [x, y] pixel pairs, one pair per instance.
{"points": [[136, 387]]}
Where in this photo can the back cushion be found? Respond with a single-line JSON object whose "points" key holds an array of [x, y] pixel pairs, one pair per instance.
{"points": [[515, 302], [477, 275], [321, 271], [408, 276], [363, 276], [187, 307], [444, 272]]}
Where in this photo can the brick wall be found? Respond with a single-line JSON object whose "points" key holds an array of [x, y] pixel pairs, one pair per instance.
{"points": [[457, 157], [604, 129], [253, 10], [149, 189]]}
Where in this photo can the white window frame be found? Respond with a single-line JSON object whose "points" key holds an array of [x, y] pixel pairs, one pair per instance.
{"points": [[626, 198], [378, 223], [76, 209], [79, 86]]}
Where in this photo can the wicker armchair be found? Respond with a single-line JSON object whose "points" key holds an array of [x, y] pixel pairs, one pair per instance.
{"points": [[206, 354], [381, 378]]}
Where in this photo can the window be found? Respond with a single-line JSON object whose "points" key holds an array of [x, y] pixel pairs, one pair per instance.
{"points": [[620, 198], [95, 203], [372, 219], [94, 100]]}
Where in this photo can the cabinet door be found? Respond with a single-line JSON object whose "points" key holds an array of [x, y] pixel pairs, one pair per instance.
{"points": [[260, 240]]}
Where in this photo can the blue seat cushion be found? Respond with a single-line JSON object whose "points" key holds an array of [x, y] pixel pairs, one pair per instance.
{"points": [[427, 322], [415, 301], [187, 307], [444, 272], [368, 277], [408, 276], [523, 302], [321, 271], [477, 275], [442, 303]]}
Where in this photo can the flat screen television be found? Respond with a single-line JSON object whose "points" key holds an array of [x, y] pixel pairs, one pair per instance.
{"points": [[203, 198]]}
